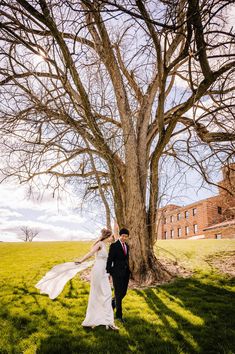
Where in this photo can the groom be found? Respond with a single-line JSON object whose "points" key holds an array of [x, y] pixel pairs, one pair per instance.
{"points": [[118, 268]]}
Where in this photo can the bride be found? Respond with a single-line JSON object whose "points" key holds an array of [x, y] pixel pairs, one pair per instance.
{"points": [[99, 309]]}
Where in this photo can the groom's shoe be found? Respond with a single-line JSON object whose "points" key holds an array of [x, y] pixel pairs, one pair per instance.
{"points": [[113, 303], [121, 319]]}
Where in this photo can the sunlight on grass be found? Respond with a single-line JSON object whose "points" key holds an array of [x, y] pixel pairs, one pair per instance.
{"points": [[190, 340], [171, 321], [181, 311], [193, 253], [193, 315]]}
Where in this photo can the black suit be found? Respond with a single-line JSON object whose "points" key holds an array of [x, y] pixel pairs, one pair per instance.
{"points": [[118, 268]]}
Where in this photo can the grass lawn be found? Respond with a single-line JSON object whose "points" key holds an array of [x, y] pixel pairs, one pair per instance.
{"points": [[191, 315]]}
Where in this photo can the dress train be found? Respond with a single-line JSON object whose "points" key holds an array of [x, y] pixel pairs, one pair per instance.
{"points": [[54, 281]]}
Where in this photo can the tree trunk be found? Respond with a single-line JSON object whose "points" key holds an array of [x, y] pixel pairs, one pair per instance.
{"points": [[145, 268]]}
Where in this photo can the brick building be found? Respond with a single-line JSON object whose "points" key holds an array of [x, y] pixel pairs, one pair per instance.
{"points": [[208, 218]]}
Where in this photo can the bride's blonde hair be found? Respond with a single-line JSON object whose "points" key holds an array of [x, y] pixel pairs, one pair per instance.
{"points": [[105, 233]]}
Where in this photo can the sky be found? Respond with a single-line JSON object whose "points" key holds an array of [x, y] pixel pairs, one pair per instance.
{"points": [[63, 220], [56, 220]]}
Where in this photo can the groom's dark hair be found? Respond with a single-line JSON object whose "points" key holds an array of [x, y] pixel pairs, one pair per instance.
{"points": [[124, 232]]}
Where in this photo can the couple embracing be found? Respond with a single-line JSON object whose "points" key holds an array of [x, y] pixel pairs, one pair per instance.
{"points": [[108, 264], [113, 264]]}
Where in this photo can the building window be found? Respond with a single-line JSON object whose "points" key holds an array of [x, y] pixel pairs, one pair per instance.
{"points": [[164, 220], [186, 214], [195, 229], [171, 218], [219, 210], [179, 232], [178, 216], [194, 211], [218, 236], [165, 235], [186, 230], [172, 233]]}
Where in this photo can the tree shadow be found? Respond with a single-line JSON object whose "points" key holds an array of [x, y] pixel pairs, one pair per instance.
{"points": [[60, 338], [198, 317], [188, 316], [97, 340]]}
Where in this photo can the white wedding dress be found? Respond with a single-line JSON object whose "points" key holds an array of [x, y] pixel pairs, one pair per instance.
{"points": [[54, 281], [99, 309]]}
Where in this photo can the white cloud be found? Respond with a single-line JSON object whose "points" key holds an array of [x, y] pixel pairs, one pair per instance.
{"points": [[13, 195], [47, 232], [8, 213], [197, 111], [71, 218], [8, 237], [55, 220], [180, 83], [231, 16]]}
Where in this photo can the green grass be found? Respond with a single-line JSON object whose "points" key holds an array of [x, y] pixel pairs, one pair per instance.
{"points": [[193, 315], [193, 254]]}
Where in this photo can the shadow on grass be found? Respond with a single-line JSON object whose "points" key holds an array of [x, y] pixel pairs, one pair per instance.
{"points": [[198, 317], [98, 340], [188, 316]]}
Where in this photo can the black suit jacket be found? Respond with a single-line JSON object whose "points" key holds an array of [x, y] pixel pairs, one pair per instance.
{"points": [[118, 262]]}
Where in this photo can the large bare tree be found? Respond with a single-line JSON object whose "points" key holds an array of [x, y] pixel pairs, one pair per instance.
{"points": [[98, 93]]}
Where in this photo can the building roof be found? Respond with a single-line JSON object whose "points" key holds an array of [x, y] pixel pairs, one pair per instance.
{"points": [[221, 225], [173, 207]]}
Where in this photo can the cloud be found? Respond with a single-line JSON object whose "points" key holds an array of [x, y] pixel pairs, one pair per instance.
{"points": [[196, 112], [231, 16], [47, 232], [54, 219], [13, 195], [71, 218], [8, 213], [8, 237]]}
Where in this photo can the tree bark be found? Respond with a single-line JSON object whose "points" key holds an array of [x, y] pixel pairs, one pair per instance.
{"points": [[145, 268]]}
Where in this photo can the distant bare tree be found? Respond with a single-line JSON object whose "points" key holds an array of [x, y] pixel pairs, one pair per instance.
{"points": [[28, 234], [98, 93]]}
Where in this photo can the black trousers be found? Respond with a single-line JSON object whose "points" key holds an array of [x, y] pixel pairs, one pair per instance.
{"points": [[120, 284]]}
